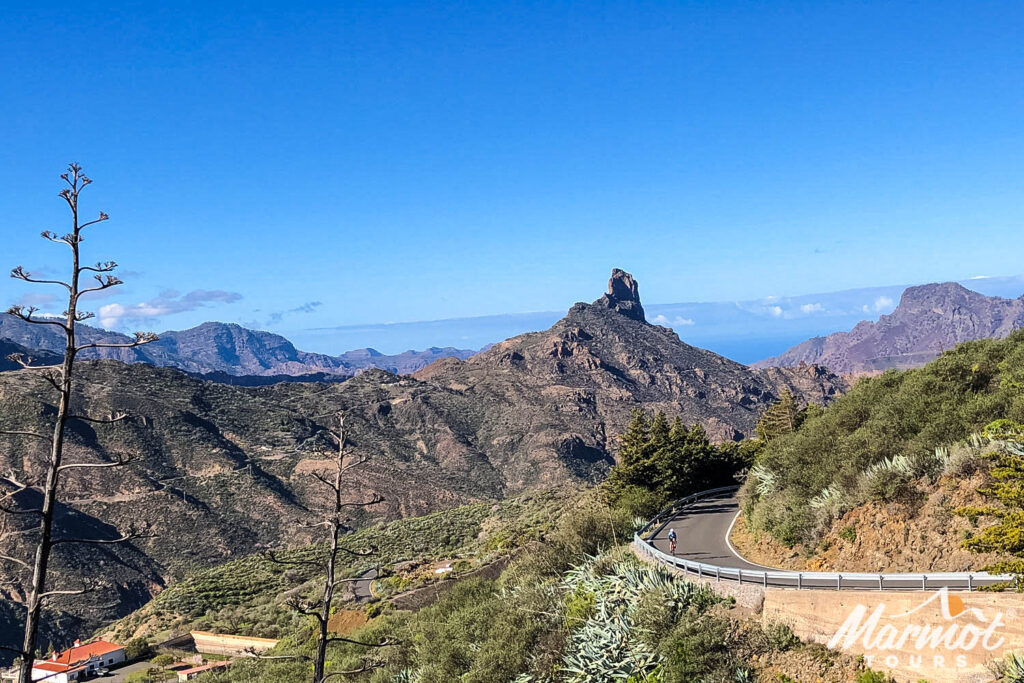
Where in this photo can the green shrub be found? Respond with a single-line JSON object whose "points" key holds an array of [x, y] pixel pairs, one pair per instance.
{"points": [[137, 648], [870, 676], [1013, 668], [780, 637], [1007, 502], [579, 606], [698, 649]]}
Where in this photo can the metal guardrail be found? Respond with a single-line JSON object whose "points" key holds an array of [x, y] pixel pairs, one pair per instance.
{"points": [[643, 541]]}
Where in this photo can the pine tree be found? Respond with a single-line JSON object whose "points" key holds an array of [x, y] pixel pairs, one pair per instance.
{"points": [[660, 431], [1006, 536], [780, 419], [661, 461], [635, 438]]}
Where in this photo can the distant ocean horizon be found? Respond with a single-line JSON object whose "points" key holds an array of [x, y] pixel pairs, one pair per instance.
{"points": [[743, 331]]}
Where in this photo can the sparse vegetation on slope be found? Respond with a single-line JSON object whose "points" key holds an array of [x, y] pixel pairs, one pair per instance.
{"points": [[247, 596], [888, 431], [576, 607]]}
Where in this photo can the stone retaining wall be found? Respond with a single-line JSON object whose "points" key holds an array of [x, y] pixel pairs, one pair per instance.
{"points": [[936, 636], [971, 630], [222, 644]]}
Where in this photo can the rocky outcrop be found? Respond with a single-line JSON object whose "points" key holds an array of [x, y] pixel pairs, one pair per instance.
{"points": [[930, 319], [623, 296]]}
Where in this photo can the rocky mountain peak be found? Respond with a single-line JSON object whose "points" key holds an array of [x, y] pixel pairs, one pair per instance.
{"points": [[623, 296], [929, 320], [932, 295]]}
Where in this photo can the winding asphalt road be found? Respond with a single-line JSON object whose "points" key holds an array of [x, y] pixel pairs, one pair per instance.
{"points": [[702, 531], [361, 589]]}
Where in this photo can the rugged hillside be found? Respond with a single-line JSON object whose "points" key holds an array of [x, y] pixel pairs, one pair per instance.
{"points": [[929, 320], [227, 349], [222, 471]]}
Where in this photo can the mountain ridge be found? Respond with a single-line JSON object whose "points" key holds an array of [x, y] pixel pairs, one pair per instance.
{"points": [[229, 349], [928, 320]]}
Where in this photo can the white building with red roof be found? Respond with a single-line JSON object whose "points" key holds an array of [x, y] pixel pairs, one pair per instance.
{"points": [[78, 662]]}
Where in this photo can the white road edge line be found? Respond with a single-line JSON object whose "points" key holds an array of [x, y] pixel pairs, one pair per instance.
{"points": [[732, 548]]}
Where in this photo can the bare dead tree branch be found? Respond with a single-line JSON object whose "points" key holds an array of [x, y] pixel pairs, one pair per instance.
{"points": [[18, 487], [352, 672], [19, 273], [26, 315], [335, 523], [95, 541], [106, 282], [53, 378], [7, 510], [116, 417], [140, 339], [25, 361], [104, 267], [387, 642], [364, 667], [54, 593], [120, 462], [357, 463], [62, 382], [5, 534], [15, 560], [16, 432]]}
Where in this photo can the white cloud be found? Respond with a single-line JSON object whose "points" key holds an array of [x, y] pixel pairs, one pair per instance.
{"points": [[812, 308], [980, 277], [883, 304], [776, 311], [678, 321], [167, 303]]}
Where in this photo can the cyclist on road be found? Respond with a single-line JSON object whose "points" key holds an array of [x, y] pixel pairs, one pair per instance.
{"points": [[672, 541]]}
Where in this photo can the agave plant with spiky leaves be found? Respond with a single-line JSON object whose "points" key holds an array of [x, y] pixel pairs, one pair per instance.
{"points": [[607, 647], [896, 465], [766, 481], [1013, 668]]}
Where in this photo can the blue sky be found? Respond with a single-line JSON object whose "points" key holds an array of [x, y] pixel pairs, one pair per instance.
{"points": [[300, 166]]}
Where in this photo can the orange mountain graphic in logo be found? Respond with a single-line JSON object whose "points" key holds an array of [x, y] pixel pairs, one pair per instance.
{"points": [[950, 604], [955, 605]]}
